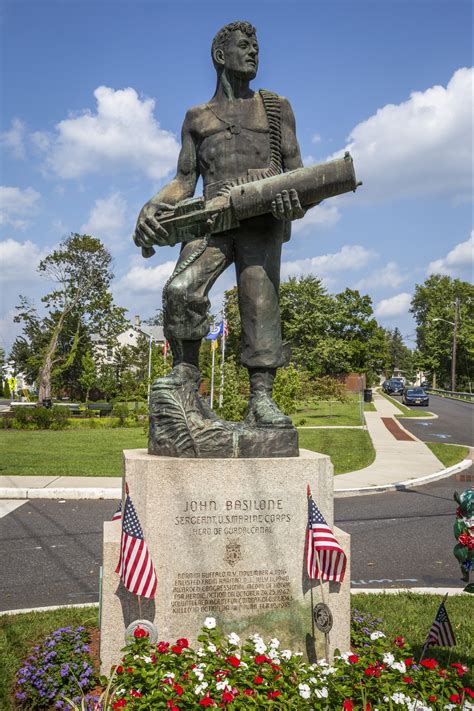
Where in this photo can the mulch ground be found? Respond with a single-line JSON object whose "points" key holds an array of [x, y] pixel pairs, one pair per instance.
{"points": [[396, 430]]}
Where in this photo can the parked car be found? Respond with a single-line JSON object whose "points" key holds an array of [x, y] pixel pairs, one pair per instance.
{"points": [[415, 396], [394, 386]]}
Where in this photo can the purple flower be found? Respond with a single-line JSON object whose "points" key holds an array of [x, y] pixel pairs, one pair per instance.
{"points": [[20, 695]]}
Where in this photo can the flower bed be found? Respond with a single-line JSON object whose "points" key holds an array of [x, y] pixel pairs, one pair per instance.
{"points": [[226, 672]]}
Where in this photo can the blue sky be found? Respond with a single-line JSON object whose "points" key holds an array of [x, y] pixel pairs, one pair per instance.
{"points": [[94, 94]]}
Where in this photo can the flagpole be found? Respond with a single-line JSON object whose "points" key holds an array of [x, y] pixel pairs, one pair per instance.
{"points": [[425, 646], [326, 634], [212, 372], [221, 386]]}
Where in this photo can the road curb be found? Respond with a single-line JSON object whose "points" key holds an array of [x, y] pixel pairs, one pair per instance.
{"points": [[60, 493], [402, 485]]}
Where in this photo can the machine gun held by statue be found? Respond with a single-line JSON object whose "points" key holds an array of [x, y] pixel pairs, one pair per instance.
{"points": [[196, 217]]}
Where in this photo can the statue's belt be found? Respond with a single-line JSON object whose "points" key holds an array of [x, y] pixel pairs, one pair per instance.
{"points": [[272, 105]]}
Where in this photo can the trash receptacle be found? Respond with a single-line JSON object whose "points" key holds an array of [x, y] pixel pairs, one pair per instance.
{"points": [[368, 395], [47, 402]]}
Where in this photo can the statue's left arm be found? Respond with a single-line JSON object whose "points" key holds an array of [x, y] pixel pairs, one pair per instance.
{"points": [[286, 205]]}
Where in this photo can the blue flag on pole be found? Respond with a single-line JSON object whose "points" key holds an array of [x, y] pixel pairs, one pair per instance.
{"points": [[215, 332]]}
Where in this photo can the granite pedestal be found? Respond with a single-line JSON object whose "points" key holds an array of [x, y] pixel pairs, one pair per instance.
{"points": [[227, 540]]}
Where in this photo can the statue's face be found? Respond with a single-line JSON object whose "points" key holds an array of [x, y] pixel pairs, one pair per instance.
{"points": [[241, 55]]}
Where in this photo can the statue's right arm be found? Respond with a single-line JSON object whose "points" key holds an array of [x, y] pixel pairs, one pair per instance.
{"points": [[148, 230]]}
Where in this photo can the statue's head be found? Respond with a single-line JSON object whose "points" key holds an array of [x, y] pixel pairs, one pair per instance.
{"points": [[235, 48]]}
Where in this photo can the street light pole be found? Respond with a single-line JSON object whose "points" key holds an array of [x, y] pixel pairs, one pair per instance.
{"points": [[455, 333]]}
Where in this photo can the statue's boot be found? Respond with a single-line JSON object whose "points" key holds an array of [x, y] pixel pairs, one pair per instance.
{"points": [[262, 411], [185, 366]]}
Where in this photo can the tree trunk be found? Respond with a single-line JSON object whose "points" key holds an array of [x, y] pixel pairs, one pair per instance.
{"points": [[44, 376]]}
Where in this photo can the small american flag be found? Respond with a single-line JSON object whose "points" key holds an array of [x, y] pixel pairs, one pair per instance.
{"points": [[135, 565], [325, 558], [118, 514], [225, 329], [441, 633]]}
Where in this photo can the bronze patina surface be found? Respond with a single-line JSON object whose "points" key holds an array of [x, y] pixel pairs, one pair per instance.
{"points": [[240, 142]]}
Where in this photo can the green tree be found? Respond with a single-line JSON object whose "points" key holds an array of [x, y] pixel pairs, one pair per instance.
{"points": [[288, 389], [436, 305], [400, 357], [234, 402], [88, 377], [80, 305]]}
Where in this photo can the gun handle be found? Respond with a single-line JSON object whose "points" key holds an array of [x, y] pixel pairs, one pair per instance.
{"points": [[147, 252]]}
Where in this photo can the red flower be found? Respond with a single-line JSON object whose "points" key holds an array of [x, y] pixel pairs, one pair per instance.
{"points": [[347, 705], [429, 663], [400, 642], [171, 705], [352, 658], [273, 694], [409, 662], [120, 704], [162, 647], [227, 696], [455, 698], [207, 701], [135, 693], [407, 679], [258, 680], [459, 668], [248, 692], [442, 673], [139, 632], [432, 698], [469, 692], [176, 649], [129, 670], [233, 661], [179, 689], [260, 659], [466, 540], [368, 707], [183, 642], [119, 669]]}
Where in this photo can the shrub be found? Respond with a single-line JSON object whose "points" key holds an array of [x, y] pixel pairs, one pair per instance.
{"points": [[59, 667], [42, 418], [327, 388], [225, 672], [121, 410]]}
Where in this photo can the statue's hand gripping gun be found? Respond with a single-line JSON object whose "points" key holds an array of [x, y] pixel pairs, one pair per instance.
{"points": [[195, 217]]}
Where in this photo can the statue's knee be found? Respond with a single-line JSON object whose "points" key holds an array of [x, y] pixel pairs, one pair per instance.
{"points": [[174, 292]]}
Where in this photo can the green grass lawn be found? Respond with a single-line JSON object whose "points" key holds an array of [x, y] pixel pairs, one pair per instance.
{"points": [[323, 413], [99, 452], [349, 449], [68, 452], [406, 614], [448, 454], [405, 411]]}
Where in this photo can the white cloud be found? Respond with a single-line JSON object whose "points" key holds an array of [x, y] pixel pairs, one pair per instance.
{"points": [[458, 259], [395, 306], [18, 260], [418, 147], [389, 277], [107, 218], [142, 279], [123, 134], [16, 203], [316, 138], [349, 257], [319, 217], [14, 138]]}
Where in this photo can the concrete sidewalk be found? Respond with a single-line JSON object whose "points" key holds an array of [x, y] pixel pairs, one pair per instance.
{"points": [[401, 461]]}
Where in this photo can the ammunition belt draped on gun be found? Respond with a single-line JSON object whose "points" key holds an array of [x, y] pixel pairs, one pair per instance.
{"points": [[197, 218]]}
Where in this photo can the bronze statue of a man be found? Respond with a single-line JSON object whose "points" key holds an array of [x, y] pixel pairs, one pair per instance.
{"points": [[238, 136]]}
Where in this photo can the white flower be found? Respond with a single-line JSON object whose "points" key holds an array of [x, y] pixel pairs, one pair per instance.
{"points": [[305, 691], [260, 647], [286, 653], [146, 659], [377, 635], [212, 647], [169, 675], [273, 655], [388, 658], [222, 686], [201, 652], [328, 670], [274, 643], [399, 698], [321, 693], [200, 688], [399, 666], [199, 673], [210, 623], [234, 639]]}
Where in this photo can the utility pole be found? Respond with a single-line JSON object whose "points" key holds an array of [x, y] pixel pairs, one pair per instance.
{"points": [[455, 333]]}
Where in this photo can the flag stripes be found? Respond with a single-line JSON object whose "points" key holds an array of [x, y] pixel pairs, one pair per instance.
{"points": [[441, 633], [325, 558], [135, 566]]}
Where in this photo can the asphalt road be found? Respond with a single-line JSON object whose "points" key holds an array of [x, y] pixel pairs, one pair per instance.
{"points": [[51, 551], [454, 425]]}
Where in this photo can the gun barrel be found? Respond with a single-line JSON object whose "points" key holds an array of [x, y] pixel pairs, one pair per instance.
{"points": [[313, 184]]}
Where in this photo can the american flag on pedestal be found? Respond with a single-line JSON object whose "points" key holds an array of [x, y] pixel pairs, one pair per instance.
{"points": [[325, 558], [135, 565]]}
